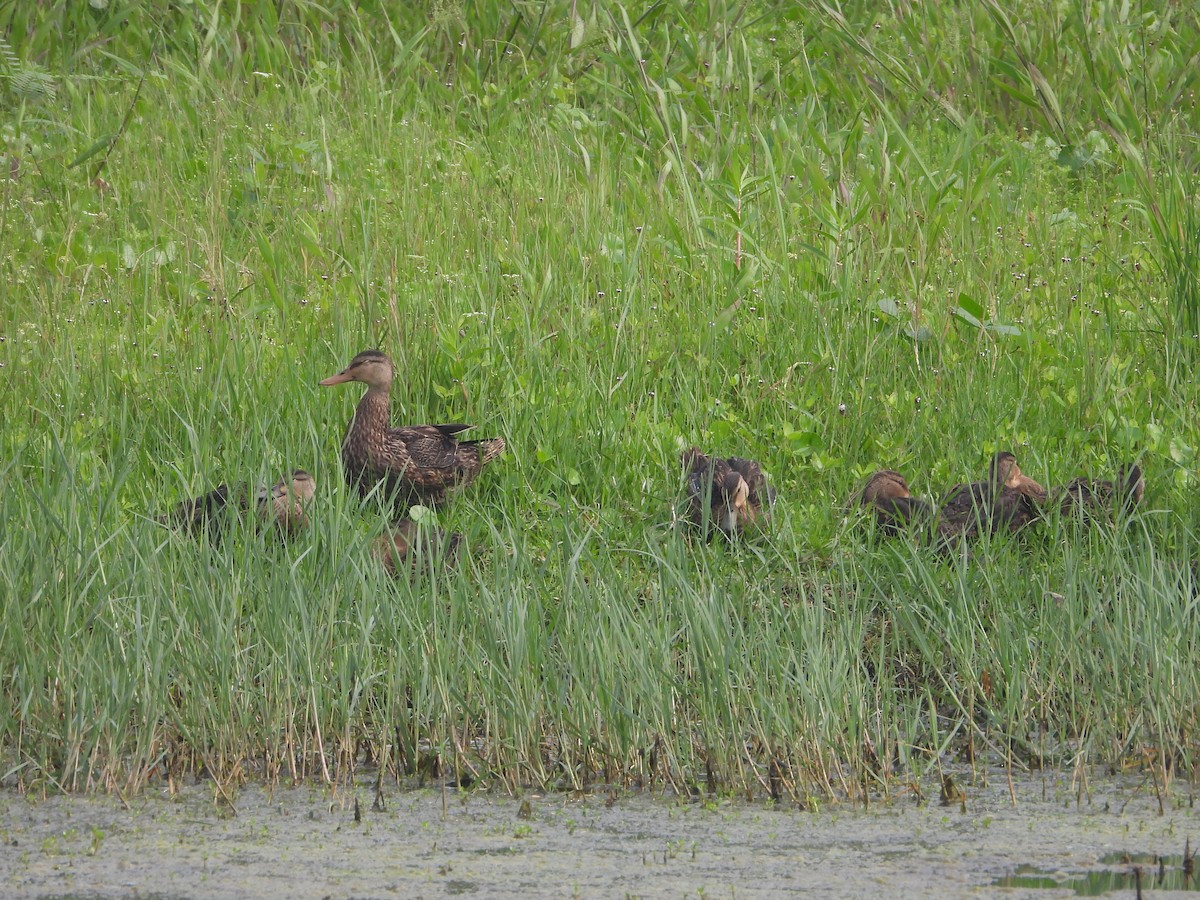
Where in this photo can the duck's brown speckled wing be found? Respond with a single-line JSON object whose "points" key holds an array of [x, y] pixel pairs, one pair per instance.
{"points": [[434, 461], [430, 446], [964, 509], [894, 514], [963, 499], [1014, 510], [748, 469], [1080, 493]]}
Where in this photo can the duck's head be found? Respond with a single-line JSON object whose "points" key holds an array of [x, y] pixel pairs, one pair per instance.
{"points": [[737, 489], [371, 367], [300, 486], [1004, 472], [885, 485], [290, 497]]}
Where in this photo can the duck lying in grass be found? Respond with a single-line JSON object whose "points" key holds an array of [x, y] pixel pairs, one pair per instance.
{"points": [[418, 464], [729, 494], [1007, 501], [407, 545], [284, 503], [1092, 497], [887, 497]]}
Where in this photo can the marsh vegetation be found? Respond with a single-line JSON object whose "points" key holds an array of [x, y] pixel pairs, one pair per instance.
{"points": [[829, 238]]}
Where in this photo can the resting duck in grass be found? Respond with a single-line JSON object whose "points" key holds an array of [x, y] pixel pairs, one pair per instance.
{"points": [[284, 503], [887, 497], [729, 494], [408, 546], [417, 464], [1095, 496], [1007, 501]]}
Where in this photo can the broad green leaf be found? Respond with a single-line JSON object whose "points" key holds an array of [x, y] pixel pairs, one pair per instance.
{"points": [[92, 150], [967, 317], [1007, 330], [969, 304]]}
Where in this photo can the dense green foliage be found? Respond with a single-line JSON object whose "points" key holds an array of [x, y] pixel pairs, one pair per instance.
{"points": [[831, 239]]}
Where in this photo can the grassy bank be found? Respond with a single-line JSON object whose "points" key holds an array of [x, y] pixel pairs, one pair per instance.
{"points": [[830, 240]]}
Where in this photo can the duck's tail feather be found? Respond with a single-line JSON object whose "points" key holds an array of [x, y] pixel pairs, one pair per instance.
{"points": [[1133, 485], [489, 449]]}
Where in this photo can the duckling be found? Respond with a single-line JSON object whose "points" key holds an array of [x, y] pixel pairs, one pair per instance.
{"points": [[418, 464], [729, 493], [406, 544], [285, 503], [1090, 496], [886, 494], [1008, 500]]}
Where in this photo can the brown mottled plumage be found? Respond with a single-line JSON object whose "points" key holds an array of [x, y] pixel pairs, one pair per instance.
{"points": [[285, 503], [1092, 496], [730, 494], [416, 463], [1008, 500], [887, 496], [408, 546]]}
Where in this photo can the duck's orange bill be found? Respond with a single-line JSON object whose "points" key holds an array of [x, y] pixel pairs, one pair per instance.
{"points": [[339, 378]]}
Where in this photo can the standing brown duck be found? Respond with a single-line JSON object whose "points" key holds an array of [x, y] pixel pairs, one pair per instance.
{"points": [[416, 463], [1095, 496], [887, 496], [285, 503], [730, 494], [1008, 500]]}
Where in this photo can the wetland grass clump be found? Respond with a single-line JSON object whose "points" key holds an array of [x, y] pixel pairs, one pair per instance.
{"points": [[781, 232]]}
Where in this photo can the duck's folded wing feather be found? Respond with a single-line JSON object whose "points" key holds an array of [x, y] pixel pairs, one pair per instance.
{"points": [[430, 446], [965, 498], [452, 429], [748, 469]]}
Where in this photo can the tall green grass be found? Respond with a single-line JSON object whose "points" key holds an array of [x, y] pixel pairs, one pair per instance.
{"points": [[831, 239]]}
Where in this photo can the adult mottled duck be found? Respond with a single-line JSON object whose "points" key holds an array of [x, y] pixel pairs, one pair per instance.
{"points": [[409, 546], [285, 503], [1008, 500], [887, 496], [730, 494], [1095, 496], [416, 463]]}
